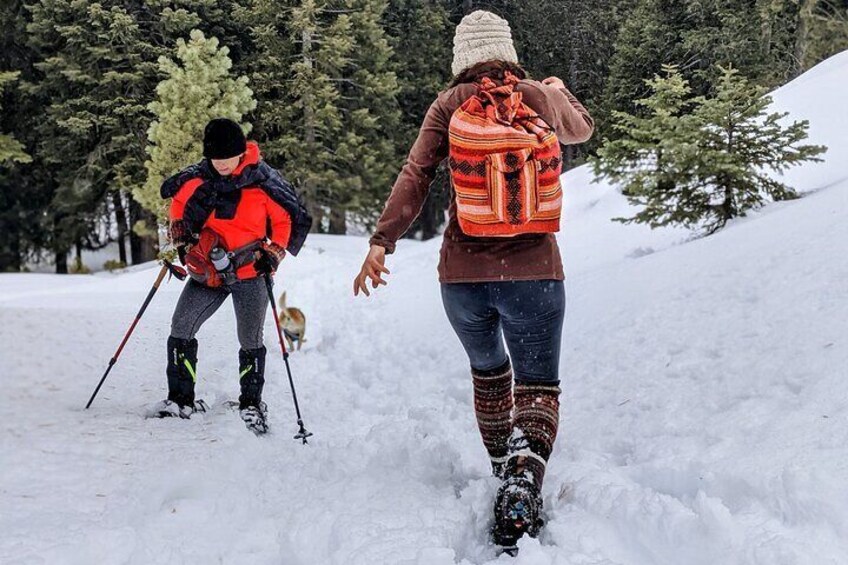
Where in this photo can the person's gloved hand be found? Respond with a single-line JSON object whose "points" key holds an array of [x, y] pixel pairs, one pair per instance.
{"points": [[180, 233], [182, 238], [269, 257]]}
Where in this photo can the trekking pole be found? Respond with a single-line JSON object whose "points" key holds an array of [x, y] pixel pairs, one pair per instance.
{"points": [[302, 433], [167, 267]]}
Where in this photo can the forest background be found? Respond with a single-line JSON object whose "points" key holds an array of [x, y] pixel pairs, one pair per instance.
{"points": [[100, 99]]}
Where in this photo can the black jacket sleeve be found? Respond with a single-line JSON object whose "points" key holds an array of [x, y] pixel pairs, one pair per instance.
{"points": [[173, 184]]}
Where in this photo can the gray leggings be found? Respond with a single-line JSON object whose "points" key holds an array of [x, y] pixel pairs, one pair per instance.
{"points": [[197, 304]]}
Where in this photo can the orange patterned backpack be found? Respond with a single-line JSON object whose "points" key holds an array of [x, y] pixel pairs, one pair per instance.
{"points": [[505, 164]]}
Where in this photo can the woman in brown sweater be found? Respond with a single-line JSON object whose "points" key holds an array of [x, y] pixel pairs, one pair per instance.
{"points": [[494, 289]]}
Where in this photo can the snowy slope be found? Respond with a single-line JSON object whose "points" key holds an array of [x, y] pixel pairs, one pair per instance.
{"points": [[705, 414], [818, 96]]}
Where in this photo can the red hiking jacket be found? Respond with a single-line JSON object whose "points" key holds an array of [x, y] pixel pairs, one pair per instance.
{"points": [[256, 215]]}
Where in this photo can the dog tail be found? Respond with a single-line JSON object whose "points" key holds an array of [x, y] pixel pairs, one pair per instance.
{"points": [[282, 301]]}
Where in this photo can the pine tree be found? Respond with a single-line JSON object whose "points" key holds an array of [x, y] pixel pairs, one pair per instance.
{"points": [[740, 144], [96, 69], [24, 188], [333, 125], [828, 32], [578, 51], [269, 69], [11, 150], [700, 162], [367, 149], [649, 37], [292, 70], [97, 72], [733, 33], [652, 150], [758, 37], [421, 36], [196, 89], [80, 47]]}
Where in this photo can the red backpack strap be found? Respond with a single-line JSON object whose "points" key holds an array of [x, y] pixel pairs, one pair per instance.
{"points": [[500, 102], [245, 254], [199, 267]]}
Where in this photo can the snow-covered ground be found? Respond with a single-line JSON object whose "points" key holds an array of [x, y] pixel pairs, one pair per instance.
{"points": [[705, 407]]}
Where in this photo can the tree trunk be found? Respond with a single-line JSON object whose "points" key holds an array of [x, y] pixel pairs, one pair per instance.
{"points": [[432, 214], [143, 248], [10, 254], [61, 262], [570, 153], [766, 27], [317, 213], [312, 202], [121, 221], [802, 37], [728, 209], [429, 218], [338, 221]]}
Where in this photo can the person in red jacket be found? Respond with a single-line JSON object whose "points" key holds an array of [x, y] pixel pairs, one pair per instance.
{"points": [[231, 227]]}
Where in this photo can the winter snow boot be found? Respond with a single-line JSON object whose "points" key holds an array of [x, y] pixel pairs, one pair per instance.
{"points": [[252, 380], [518, 506], [182, 367], [169, 408], [254, 418], [493, 407]]}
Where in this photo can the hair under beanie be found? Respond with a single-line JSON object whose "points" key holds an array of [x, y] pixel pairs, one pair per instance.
{"points": [[223, 139], [482, 36]]}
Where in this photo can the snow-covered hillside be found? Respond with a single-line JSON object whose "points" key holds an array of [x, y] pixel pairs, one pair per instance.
{"points": [[705, 408]]}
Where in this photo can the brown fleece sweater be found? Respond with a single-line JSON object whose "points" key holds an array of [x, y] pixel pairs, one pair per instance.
{"points": [[473, 259]]}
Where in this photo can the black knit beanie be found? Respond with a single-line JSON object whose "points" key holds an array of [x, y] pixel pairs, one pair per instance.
{"points": [[223, 139]]}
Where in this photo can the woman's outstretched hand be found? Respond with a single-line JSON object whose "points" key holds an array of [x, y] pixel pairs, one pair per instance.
{"points": [[373, 268]]}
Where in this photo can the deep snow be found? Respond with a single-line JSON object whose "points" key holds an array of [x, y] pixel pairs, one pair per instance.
{"points": [[705, 413]]}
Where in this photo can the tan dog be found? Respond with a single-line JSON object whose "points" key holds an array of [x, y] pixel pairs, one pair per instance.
{"points": [[293, 323]]}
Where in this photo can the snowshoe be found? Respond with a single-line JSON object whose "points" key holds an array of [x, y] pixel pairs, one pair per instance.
{"points": [[518, 511], [199, 406], [170, 409], [254, 418]]}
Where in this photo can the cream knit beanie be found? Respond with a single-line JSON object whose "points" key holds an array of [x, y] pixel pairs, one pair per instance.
{"points": [[482, 36]]}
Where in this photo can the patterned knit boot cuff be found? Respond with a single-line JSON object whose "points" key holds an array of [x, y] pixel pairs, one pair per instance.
{"points": [[536, 422], [493, 408]]}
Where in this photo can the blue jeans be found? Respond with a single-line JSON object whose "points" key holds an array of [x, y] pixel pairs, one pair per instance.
{"points": [[529, 315]]}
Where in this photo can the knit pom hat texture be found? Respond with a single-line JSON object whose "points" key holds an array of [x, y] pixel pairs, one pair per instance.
{"points": [[482, 36]]}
